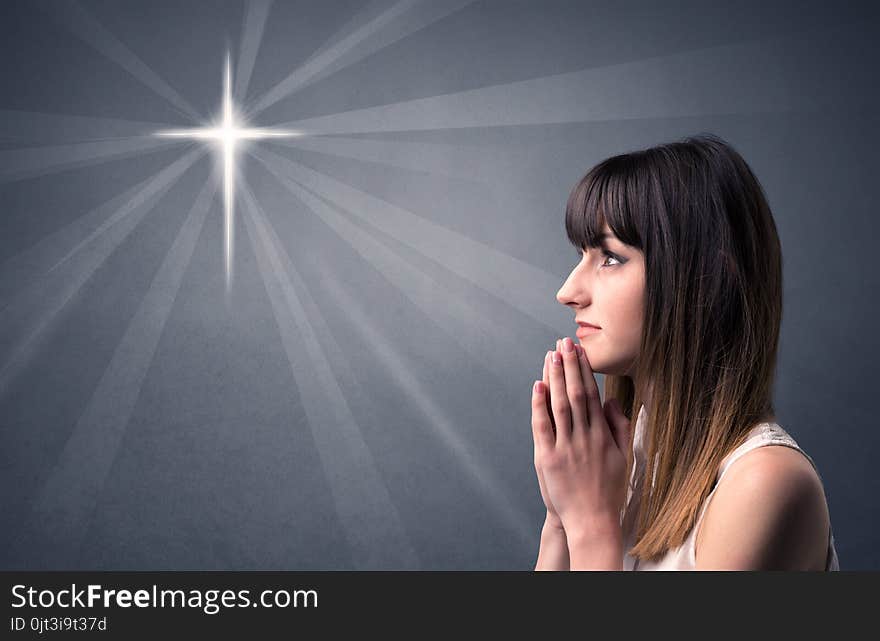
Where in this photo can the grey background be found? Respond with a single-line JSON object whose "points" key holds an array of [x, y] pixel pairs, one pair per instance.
{"points": [[360, 398]]}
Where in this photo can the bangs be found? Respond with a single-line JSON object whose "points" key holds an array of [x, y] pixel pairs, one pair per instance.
{"points": [[602, 197]]}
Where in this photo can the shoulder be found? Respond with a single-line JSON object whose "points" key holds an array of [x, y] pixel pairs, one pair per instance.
{"points": [[767, 513]]}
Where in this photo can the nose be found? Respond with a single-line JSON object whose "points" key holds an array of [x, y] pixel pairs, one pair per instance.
{"points": [[571, 294]]}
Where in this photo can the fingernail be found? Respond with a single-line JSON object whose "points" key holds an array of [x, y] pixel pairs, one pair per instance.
{"points": [[557, 358], [567, 345], [537, 387]]}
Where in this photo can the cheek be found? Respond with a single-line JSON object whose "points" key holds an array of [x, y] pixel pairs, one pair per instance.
{"points": [[628, 313]]}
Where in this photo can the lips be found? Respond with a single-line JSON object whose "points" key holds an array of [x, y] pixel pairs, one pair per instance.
{"points": [[585, 324], [585, 330]]}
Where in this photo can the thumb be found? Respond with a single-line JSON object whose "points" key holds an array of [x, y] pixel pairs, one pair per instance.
{"points": [[621, 426]]}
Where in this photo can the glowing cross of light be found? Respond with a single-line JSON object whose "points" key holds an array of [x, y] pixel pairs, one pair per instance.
{"points": [[228, 132]]}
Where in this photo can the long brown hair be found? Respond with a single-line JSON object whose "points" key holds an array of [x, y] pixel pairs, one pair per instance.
{"points": [[713, 308]]}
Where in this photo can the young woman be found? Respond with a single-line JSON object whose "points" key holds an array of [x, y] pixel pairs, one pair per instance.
{"points": [[678, 298]]}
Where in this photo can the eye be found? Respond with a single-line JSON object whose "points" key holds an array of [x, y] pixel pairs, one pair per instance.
{"points": [[612, 257], [607, 254]]}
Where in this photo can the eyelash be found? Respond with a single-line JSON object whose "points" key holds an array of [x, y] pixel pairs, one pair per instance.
{"points": [[607, 255]]}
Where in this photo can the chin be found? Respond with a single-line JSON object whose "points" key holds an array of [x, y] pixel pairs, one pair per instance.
{"points": [[607, 367], [597, 364]]}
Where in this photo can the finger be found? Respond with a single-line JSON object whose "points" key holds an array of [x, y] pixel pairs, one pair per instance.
{"points": [[546, 381], [542, 430], [559, 400], [574, 387], [621, 427], [595, 411]]}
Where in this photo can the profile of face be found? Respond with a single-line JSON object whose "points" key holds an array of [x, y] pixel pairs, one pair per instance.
{"points": [[607, 289]]}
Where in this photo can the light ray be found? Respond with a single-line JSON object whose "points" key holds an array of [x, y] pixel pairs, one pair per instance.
{"points": [[302, 74], [36, 128], [32, 162], [393, 24], [84, 26], [65, 505], [514, 281], [24, 321], [742, 78], [444, 159], [484, 340], [368, 515], [252, 37], [442, 426], [229, 132], [20, 272]]}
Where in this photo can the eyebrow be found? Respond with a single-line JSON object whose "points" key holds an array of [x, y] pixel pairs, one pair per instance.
{"points": [[605, 237]]}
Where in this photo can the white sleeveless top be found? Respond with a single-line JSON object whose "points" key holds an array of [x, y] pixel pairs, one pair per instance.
{"points": [[684, 556]]}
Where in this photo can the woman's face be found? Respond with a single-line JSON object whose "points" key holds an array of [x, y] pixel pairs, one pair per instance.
{"points": [[607, 289]]}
